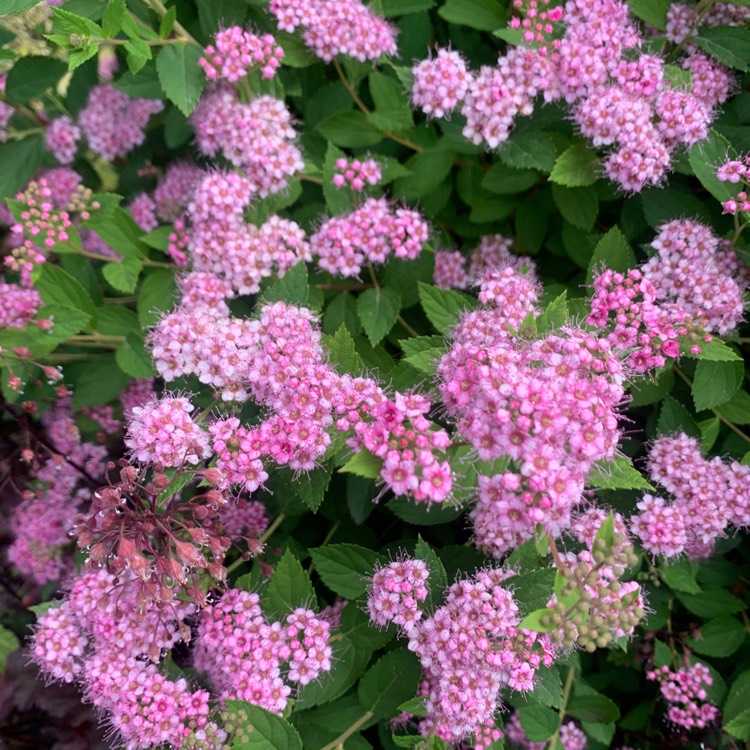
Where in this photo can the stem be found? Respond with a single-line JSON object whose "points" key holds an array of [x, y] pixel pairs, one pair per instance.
{"points": [[733, 427], [265, 536], [344, 736], [373, 276], [569, 680], [310, 178], [410, 329], [160, 9], [96, 337], [556, 554]]}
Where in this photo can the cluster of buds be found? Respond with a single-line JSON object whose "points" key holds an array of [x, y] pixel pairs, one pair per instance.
{"points": [[137, 525], [736, 172], [356, 173]]}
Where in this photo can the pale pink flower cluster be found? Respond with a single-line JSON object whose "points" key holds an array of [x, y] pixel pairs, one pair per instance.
{"points": [[138, 392], [395, 592], [113, 123], [571, 736], [175, 189], [61, 137], [369, 234], [685, 691], [105, 639], [18, 305], [707, 497], [736, 172], [699, 273], [237, 51], [549, 405], [143, 211], [453, 270], [356, 173], [248, 657], [681, 18], [440, 82], [256, 136], [163, 432], [244, 519], [470, 649], [223, 244], [337, 27]]}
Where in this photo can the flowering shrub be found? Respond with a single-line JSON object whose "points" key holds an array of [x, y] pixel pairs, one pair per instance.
{"points": [[371, 374]]}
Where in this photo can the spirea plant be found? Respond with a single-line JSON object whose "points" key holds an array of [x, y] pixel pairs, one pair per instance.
{"points": [[372, 374]]}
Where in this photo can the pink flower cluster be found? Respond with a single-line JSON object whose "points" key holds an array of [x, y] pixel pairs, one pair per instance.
{"points": [[549, 405], [246, 657], [395, 592], [244, 519], [61, 137], [685, 691], [453, 270], [470, 649], [571, 736], [223, 244], [174, 191], [337, 27], [143, 210], [440, 83], [369, 234], [113, 123], [736, 172], [708, 496], [256, 136], [356, 173], [18, 305], [138, 392], [100, 636], [164, 433], [681, 18], [236, 51]]}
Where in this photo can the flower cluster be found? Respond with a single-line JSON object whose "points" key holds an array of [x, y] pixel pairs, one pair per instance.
{"points": [[356, 173], [236, 51], [18, 305], [246, 657], [62, 136], [337, 27], [685, 691], [113, 123], [395, 592], [736, 172], [571, 736], [681, 19], [369, 234], [549, 405], [98, 636], [707, 496], [440, 83], [256, 136]]}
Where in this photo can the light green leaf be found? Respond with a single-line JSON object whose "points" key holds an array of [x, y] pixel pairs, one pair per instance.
{"points": [[653, 12], [57, 286], [363, 464], [261, 729], [378, 309], [617, 474], [719, 637], [123, 275], [444, 307], [705, 159], [485, 15], [133, 358], [577, 166], [539, 722], [8, 644], [288, 588], [343, 353], [350, 130], [612, 251]]}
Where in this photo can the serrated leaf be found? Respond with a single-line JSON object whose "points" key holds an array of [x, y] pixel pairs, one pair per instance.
{"points": [[293, 287], [612, 251], [705, 158], [680, 576], [715, 383], [538, 722], [577, 166], [378, 309], [133, 358], [31, 76], [617, 474], [554, 316], [343, 353], [674, 417], [263, 730], [719, 637], [532, 590], [356, 623], [345, 568], [389, 682], [735, 711], [714, 351], [180, 75], [288, 588], [311, 488], [350, 130], [597, 708], [113, 17], [420, 514], [730, 45], [123, 275], [57, 286], [7, 7], [485, 15], [156, 296], [533, 621], [443, 307], [438, 578], [529, 150], [363, 464]]}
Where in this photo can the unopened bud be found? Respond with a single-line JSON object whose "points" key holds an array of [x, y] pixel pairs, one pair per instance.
{"points": [[51, 373], [44, 324], [212, 476], [21, 351], [161, 481]]}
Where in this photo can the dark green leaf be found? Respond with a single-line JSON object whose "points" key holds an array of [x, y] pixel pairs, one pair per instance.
{"points": [[356, 623], [597, 708], [612, 251], [378, 309], [428, 169], [343, 353], [529, 150], [98, 382], [156, 297], [577, 166], [705, 159], [444, 307], [504, 180], [578, 205], [438, 578], [539, 722], [180, 75], [57, 286], [485, 15], [420, 514], [288, 588], [719, 637], [20, 160], [389, 682], [715, 383], [133, 358], [345, 568], [8, 644], [680, 576], [674, 417], [349, 129], [292, 287], [532, 590], [729, 45], [653, 12]]}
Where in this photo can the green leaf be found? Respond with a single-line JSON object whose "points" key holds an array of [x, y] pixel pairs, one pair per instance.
{"points": [[311, 489], [378, 310], [705, 159], [420, 514], [391, 103], [729, 45], [288, 588], [389, 682], [292, 287], [739, 727], [67, 322], [617, 474], [504, 180], [71, 23], [653, 12], [612, 251], [532, 590], [20, 160], [577, 166], [715, 383], [123, 275], [142, 85], [415, 706], [533, 621], [78, 57], [345, 568], [428, 169], [548, 687], [539, 722], [167, 22], [343, 353], [674, 417], [680, 576], [714, 351], [114, 15], [97, 382], [138, 53], [719, 637], [438, 578], [180, 75], [737, 409], [261, 729], [8, 644], [57, 286], [356, 623], [338, 200], [578, 205], [363, 464], [554, 316], [8, 7], [711, 602], [444, 307], [133, 358], [485, 15], [156, 296], [736, 713], [597, 708], [349, 129], [529, 150]]}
